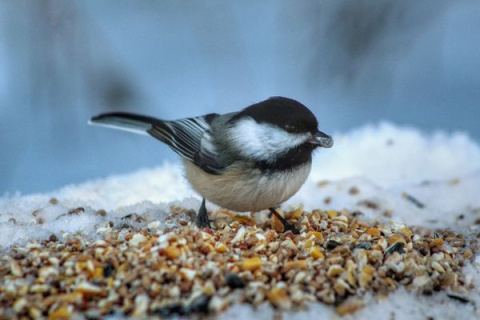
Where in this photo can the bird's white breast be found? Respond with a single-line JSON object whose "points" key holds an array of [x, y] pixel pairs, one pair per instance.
{"points": [[242, 189]]}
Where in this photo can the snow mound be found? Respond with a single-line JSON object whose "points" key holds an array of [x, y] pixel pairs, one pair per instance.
{"points": [[383, 171]]}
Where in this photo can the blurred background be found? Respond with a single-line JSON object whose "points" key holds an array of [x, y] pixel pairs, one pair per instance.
{"points": [[414, 63]]}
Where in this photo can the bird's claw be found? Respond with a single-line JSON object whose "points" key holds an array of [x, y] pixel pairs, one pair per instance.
{"points": [[287, 226], [202, 220]]}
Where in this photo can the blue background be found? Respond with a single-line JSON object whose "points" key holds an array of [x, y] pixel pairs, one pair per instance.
{"points": [[352, 62]]}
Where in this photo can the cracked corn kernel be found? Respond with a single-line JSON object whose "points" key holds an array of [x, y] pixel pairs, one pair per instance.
{"points": [[308, 243], [394, 238], [221, 247], [244, 220], [19, 305], [315, 234], [316, 253], [251, 264], [60, 314], [88, 289], [279, 298], [372, 231], [295, 214], [366, 276], [277, 225], [334, 270], [468, 254], [332, 213], [34, 313], [437, 242], [297, 265], [172, 252], [406, 232], [349, 306]]}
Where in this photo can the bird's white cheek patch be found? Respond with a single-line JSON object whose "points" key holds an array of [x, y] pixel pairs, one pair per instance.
{"points": [[263, 141]]}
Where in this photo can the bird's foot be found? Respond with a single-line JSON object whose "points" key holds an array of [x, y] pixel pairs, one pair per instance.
{"points": [[287, 226], [202, 220]]}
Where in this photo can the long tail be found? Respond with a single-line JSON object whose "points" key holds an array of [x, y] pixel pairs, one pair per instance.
{"points": [[126, 121]]}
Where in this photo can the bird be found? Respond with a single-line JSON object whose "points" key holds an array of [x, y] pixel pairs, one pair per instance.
{"points": [[250, 160]]}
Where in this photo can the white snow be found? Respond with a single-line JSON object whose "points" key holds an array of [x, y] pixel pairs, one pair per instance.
{"points": [[383, 162]]}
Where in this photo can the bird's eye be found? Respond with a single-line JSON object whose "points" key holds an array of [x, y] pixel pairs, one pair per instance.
{"points": [[290, 128]]}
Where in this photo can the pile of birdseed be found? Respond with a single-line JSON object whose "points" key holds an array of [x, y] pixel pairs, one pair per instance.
{"points": [[336, 259]]}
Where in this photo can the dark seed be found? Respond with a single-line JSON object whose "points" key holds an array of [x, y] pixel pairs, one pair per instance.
{"points": [[170, 310], [76, 211], [387, 213], [332, 244], [133, 216], [101, 212], [458, 298], [53, 238], [123, 226], [353, 191], [128, 216], [369, 204], [200, 304], [108, 270], [234, 281], [19, 256], [357, 213], [396, 247], [364, 245], [413, 200]]}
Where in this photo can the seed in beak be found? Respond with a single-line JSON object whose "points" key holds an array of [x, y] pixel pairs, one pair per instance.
{"points": [[321, 139]]}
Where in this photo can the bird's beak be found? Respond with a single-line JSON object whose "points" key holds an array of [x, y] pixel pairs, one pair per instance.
{"points": [[320, 139]]}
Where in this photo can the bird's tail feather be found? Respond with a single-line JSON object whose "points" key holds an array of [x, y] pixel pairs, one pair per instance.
{"points": [[126, 121]]}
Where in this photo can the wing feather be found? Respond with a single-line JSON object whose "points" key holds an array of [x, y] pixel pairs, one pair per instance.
{"points": [[190, 138]]}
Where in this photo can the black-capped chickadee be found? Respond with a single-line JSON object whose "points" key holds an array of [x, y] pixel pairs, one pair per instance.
{"points": [[250, 160]]}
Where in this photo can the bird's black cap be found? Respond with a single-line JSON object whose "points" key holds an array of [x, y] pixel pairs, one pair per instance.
{"points": [[285, 113]]}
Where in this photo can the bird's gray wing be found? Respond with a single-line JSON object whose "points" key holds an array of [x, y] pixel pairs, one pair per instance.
{"points": [[192, 139]]}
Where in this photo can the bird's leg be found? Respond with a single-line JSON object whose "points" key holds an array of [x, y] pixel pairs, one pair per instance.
{"points": [[287, 226], [202, 220], [272, 210]]}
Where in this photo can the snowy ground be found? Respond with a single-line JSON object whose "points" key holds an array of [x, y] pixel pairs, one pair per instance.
{"points": [[384, 171]]}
